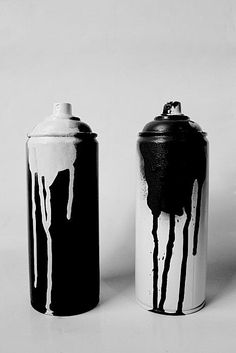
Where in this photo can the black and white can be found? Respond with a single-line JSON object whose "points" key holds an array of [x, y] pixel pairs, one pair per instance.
{"points": [[62, 161], [172, 214]]}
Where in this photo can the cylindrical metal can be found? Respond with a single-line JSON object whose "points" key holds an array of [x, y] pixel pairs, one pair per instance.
{"points": [[171, 215], [62, 160]]}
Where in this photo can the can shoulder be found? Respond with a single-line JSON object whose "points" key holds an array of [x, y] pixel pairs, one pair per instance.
{"points": [[173, 126], [61, 127]]}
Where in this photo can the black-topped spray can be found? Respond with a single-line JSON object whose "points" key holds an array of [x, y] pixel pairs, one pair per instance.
{"points": [[171, 218], [63, 214]]}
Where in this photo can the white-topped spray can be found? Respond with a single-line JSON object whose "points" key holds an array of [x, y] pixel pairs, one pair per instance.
{"points": [[62, 160]]}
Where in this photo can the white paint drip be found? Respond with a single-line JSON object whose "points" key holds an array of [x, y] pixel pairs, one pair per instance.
{"points": [[47, 157], [34, 232], [46, 220], [70, 198]]}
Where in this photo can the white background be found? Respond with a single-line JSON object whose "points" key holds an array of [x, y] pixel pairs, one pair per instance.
{"points": [[118, 62]]}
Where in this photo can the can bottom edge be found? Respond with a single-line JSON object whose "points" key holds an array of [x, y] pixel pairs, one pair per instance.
{"points": [[65, 313], [171, 312]]}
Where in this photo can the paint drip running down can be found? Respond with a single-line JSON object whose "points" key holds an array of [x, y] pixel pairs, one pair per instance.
{"points": [[63, 214], [171, 218]]}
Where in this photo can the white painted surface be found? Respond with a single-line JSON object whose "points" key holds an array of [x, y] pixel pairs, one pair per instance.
{"points": [[118, 324], [196, 265]]}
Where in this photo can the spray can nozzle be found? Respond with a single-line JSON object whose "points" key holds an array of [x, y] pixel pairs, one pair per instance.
{"points": [[172, 108], [62, 110]]}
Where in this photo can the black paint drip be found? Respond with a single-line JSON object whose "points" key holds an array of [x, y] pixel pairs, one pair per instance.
{"points": [[183, 265], [171, 167], [198, 212], [169, 250], [155, 261]]}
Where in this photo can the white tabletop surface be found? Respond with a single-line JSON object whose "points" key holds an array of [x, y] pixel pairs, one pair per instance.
{"points": [[118, 324]]}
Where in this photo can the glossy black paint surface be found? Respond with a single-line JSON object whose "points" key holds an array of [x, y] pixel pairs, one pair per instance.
{"points": [[75, 242]]}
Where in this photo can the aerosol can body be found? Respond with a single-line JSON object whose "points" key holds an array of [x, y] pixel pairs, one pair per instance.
{"points": [[171, 217], [62, 161]]}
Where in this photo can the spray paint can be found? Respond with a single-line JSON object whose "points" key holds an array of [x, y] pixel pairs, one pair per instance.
{"points": [[62, 156], [171, 217]]}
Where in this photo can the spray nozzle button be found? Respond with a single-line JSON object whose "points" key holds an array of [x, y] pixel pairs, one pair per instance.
{"points": [[62, 110], [172, 108]]}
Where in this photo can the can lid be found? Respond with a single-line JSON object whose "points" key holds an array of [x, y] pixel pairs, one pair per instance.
{"points": [[62, 123], [172, 121]]}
